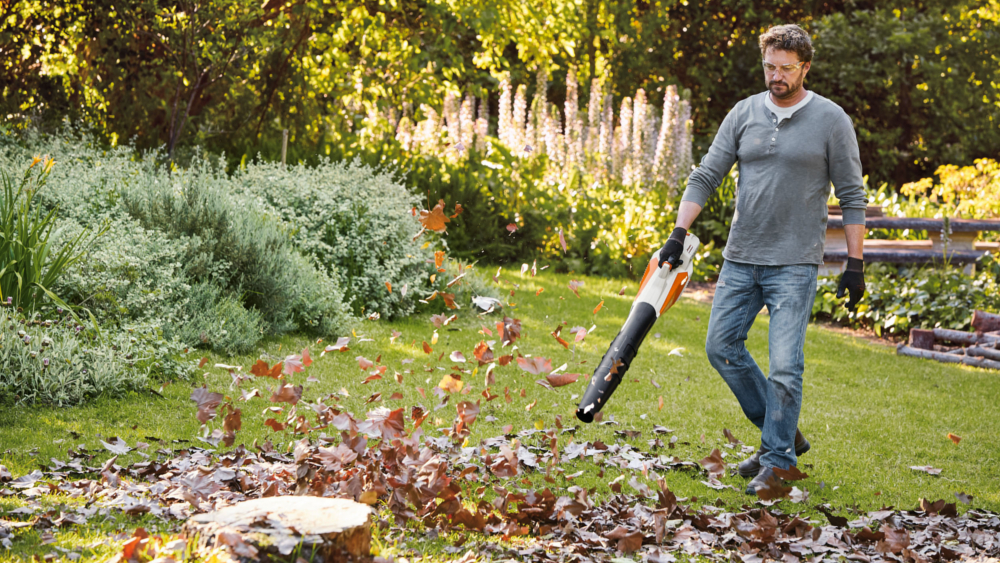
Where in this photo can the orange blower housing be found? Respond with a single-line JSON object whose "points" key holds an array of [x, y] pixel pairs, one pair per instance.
{"points": [[658, 291]]}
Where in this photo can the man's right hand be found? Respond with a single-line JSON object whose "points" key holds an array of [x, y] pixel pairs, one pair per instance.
{"points": [[671, 251]]}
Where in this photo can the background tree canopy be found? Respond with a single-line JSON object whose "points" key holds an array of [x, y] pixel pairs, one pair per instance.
{"points": [[920, 78]]}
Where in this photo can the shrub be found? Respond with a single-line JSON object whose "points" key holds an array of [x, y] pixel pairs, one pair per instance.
{"points": [[228, 239], [899, 298], [57, 362], [217, 320], [353, 220], [131, 275]]}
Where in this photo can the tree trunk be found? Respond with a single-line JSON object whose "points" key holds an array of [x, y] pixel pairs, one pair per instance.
{"points": [[330, 530], [922, 338]]}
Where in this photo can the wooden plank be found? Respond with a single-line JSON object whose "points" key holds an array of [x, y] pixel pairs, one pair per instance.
{"points": [[920, 224], [905, 256], [904, 350]]}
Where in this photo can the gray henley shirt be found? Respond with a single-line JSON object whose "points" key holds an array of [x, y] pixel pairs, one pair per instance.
{"points": [[785, 172]]}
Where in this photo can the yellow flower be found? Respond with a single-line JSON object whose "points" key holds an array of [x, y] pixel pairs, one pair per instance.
{"points": [[35, 161], [49, 162]]}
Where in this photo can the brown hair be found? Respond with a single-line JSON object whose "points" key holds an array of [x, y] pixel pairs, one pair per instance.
{"points": [[788, 37]]}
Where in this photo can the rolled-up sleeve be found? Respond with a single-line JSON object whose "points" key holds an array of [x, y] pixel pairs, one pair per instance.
{"points": [[719, 160], [844, 160]]}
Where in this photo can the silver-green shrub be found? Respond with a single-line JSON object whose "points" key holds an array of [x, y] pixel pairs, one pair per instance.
{"points": [[353, 220], [58, 362]]}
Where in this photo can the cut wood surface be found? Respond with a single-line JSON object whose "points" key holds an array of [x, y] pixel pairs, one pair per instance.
{"points": [[922, 338], [985, 322], [331, 530], [904, 350]]}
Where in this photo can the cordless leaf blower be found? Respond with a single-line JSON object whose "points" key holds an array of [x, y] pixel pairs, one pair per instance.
{"points": [[658, 291]]}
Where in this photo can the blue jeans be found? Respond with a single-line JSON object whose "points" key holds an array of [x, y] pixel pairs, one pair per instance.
{"points": [[771, 403]]}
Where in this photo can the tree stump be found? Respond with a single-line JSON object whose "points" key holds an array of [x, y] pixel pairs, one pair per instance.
{"points": [[329, 530]]}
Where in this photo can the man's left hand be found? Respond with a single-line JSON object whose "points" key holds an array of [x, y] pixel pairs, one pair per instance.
{"points": [[852, 281]]}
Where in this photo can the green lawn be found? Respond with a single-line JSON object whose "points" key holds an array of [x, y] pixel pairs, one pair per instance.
{"points": [[869, 414]]}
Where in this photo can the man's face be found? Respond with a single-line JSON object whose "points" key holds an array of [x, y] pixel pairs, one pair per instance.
{"points": [[783, 84]]}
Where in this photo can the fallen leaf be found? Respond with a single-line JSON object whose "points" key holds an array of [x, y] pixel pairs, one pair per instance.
{"points": [[364, 363], [926, 469], [574, 286], [599, 305], [714, 463], [791, 474], [954, 438]]}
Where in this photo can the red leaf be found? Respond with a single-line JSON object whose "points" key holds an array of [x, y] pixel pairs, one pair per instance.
{"points": [[599, 305]]}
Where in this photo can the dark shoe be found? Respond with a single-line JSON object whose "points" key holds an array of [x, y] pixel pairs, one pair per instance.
{"points": [[751, 465], [760, 481]]}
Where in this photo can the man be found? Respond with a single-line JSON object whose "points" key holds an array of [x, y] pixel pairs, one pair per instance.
{"points": [[790, 145]]}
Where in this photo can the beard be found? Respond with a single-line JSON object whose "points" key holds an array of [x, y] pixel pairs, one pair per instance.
{"points": [[782, 90]]}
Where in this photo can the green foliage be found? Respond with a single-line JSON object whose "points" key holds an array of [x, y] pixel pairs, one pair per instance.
{"points": [[131, 275], [971, 192], [353, 220], [218, 321], [227, 239], [30, 264], [56, 362], [920, 78], [899, 298]]}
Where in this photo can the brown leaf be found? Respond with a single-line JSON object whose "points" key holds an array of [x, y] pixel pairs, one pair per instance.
{"points": [[661, 403], [536, 365], [791, 474], [204, 361], [260, 369], [274, 424], [562, 379], [954, 438], [895, 540], [483, 353], [383, 423], [287, 394], [926, 469], [562, 241], [714, 464], [729, 436], [427, 348], [207, 403], [773, 489], [599, 305], [364, 363], [435, 219]]}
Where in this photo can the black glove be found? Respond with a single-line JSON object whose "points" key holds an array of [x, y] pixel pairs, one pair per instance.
{"points": [[671, 251], [853, 281]]}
